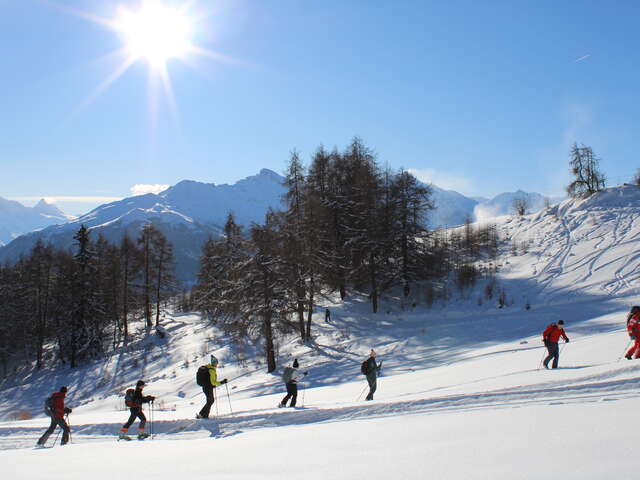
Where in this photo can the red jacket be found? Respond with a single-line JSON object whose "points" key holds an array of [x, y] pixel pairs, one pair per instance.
{"points": [[553, 333], [58, 404], [633, 326]]}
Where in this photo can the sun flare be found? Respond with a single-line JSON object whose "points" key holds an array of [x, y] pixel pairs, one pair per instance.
{"points": [[154, 32]]}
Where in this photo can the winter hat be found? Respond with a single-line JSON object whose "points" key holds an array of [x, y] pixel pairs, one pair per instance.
{"points": [[560, 322], [214, 360], [139, 383], [63, 389], [295, 363], [373, 353]]}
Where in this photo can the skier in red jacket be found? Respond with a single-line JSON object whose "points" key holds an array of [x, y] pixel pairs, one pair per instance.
{"points": [[633, 327], [54, 407], [550, 338]]}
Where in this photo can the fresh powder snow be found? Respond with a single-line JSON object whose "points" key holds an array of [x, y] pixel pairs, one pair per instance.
{"points": [[462, 394]]}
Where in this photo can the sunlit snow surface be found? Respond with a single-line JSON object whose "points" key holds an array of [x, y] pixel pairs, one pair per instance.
{"points": [[462, 395]]}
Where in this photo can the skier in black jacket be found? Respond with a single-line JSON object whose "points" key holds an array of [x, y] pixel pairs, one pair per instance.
{"points": [[373, 370], [135, 407]]}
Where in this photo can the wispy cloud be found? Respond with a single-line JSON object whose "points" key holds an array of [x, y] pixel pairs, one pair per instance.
{"points": [[584, 57], [143, 189], [484, 213], [443, 180], [67, 198]]}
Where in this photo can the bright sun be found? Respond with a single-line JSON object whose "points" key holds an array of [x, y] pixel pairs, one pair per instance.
{"points": [[154, 32]]}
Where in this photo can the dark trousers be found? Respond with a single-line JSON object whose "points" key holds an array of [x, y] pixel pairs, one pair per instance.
{"points": [[208, 391], [373, 385], [554, 352], [56, 422], [136, 412], [292, 393]]}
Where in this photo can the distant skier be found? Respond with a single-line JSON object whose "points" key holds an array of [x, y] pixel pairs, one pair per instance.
{"points": [[550, 338], [291, 377], [327, 316], [371, 369], [633, 327], [207, 378], [134, 400], [54, 407]]}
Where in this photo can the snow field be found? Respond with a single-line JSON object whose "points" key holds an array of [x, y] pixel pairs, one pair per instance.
{"points": [[462, 394]]}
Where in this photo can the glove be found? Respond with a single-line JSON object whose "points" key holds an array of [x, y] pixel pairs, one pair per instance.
{"points": [[224, 380], [151, 398], [306, 373], [632, 337], [67, 410], [567, 341]]}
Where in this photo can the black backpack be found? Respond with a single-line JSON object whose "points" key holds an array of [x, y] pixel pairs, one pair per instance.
{"points": [[129, 397], [202, 376], [364, 368]]}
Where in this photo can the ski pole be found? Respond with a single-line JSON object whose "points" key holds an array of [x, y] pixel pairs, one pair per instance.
{"points": [[56, 439], [69, 426], [361, 393], [215, 400], [542, 359], [303, 392], [151, 414], [229, 398], [625, 349]]}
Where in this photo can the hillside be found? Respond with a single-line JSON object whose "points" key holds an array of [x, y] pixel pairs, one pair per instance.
{"points": [[461, 396], [16, 219]]}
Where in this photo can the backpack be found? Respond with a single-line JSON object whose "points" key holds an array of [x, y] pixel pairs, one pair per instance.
{"points": [[287, 374], [202, 376], [129, 398], [364, 368], [48, 406]]}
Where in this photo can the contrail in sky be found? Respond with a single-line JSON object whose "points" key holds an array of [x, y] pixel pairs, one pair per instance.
{"points": [[584, 57]]}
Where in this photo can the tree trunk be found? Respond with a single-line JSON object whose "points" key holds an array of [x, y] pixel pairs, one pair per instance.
{"points": [[268, 328], [158, 284], [147, 285], [310, 310], [301, 295], [374, 283], [125, 300]]}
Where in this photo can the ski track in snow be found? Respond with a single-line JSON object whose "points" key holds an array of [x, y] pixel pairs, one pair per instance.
{"points": [[590, 388]]}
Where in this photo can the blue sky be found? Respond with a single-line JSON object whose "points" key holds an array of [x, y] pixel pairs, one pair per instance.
{"points": [[481, 97]]}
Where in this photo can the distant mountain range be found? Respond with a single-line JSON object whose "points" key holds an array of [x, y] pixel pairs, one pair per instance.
{"points": [[190, 212], [16, 219]]}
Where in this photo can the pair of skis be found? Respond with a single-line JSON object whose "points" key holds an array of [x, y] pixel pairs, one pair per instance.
{"points": [[141, 436]]}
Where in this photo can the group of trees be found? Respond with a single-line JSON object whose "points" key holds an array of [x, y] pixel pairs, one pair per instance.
{"points": [[83, 300], [348, 224]]}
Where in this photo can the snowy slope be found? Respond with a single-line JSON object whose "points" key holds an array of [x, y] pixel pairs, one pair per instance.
{"points": [[462, 394], [16, 219], [583, 248]]}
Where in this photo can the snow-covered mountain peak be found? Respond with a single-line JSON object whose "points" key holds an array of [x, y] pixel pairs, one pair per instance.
{"points": [[50, 209]]}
